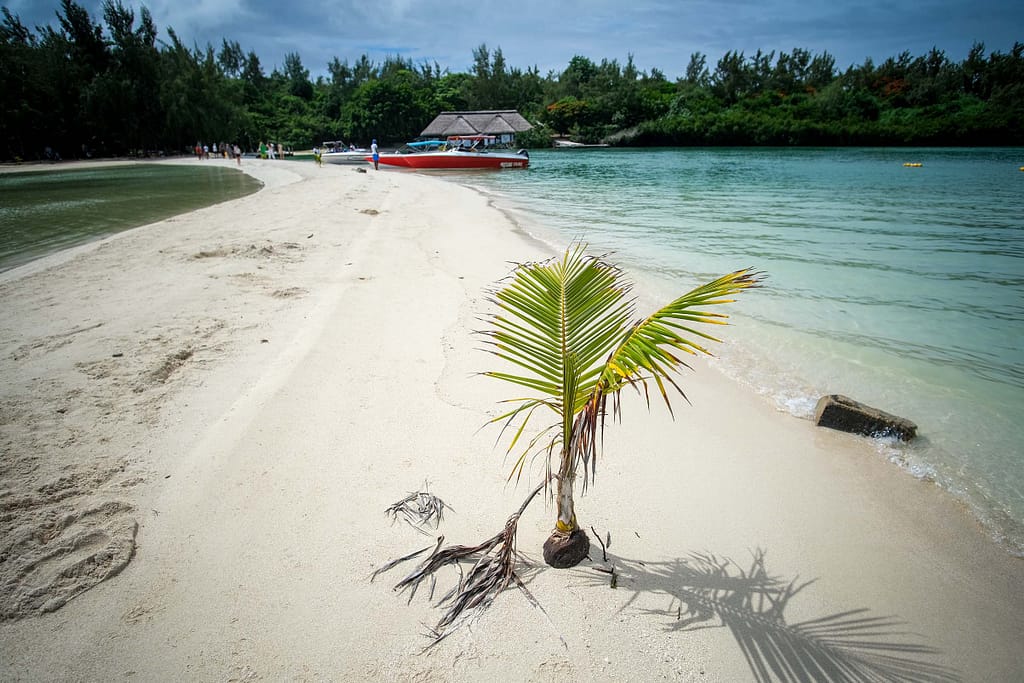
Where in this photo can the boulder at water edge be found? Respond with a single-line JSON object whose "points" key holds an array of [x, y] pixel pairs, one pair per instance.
{"points": [[847, 415]]}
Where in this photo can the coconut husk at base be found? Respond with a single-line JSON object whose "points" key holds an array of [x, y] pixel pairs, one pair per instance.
{"points": [[562, 551]]}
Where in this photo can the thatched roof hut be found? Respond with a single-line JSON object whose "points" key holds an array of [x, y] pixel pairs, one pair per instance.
{"points": [[504, 123]]}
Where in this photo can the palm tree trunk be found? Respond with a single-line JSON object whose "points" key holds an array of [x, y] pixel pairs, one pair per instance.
{"points": [[566, 522], [568, 543]]}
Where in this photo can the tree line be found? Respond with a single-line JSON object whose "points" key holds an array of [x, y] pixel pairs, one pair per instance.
{"points": [[111, 86]]}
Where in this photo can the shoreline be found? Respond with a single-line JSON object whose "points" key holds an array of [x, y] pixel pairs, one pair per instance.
{"points": [[964, 442], [48, 258], [293, 361]]}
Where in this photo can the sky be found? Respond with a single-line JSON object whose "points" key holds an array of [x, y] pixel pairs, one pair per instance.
{"points": [[547, 34]]}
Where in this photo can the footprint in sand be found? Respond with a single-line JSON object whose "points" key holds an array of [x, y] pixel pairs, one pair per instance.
{"points": [[62, 555]]}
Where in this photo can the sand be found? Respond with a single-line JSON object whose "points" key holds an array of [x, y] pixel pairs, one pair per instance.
{"points": [[203, 421]]}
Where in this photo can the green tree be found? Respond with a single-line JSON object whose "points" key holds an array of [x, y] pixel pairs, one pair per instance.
{"points": [[568, 114], [566, 328], [760, 71], [930, 79], [576, 80], [253, 78], [697, 73], [336, 90], [87, 44], [492, 85], [231, 58], [389, 110], [732, 80], [71, 60], [363, 71], [821, 72], [972, 71], [449, 93], [527, 90], [178, 86], [126, 95], [198, 102], [297, 75], [20, 107]]}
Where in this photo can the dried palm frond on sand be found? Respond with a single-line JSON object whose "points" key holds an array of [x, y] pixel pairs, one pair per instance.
{"points": [[419, 509], [492, 571]]}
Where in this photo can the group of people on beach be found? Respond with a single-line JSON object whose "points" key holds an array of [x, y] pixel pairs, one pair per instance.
{"points": [[268, 150], [223, 150], [227, 151]]}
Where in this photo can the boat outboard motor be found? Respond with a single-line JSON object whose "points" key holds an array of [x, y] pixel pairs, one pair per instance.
{"points": [[524, 153]]}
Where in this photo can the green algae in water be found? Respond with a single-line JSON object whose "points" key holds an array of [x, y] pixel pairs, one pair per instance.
{"points": [[42, 212]]}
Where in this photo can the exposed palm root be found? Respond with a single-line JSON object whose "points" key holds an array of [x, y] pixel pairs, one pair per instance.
{"points": [[419, 509], [492, 571]]}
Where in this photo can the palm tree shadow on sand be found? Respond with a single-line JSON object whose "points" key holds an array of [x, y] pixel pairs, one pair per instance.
{"points": [[848, 646]]}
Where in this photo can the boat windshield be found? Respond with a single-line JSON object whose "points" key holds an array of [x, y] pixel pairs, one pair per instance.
{"points": [[476, 138], [422, 146], [475, 143]]}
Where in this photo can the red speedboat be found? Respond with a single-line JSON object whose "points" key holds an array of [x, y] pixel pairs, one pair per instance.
{"points": [[460, 152]]}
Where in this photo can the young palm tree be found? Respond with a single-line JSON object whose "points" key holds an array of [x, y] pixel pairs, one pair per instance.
{"points": [[568, 325]]}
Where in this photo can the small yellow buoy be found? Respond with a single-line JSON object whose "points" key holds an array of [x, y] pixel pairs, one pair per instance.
{"points": [[1022, 168], [915, 164]]}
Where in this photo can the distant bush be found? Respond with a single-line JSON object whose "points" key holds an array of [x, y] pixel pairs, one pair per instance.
{"points": [[538, 137]]}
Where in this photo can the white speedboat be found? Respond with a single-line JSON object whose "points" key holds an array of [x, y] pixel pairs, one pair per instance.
{"points": [[337, 153], [569, 144]]}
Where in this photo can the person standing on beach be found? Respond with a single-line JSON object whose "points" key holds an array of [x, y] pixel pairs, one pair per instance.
{"points": [[376, 156], [237, 151]]}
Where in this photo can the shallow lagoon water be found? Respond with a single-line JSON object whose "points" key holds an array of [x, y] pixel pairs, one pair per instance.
{"points": [[901, 287], [48, 210]]}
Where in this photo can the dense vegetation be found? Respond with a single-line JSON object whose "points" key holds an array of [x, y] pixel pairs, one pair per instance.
{"points": [[85, 87]]}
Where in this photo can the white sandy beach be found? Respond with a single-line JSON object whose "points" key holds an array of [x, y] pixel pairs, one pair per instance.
{"points": [[203, 420]]}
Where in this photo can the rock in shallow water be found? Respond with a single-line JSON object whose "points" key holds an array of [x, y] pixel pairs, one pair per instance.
{"points": [[846, 415]]}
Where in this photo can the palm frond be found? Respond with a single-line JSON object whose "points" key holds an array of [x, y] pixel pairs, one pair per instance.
{"points": [[648, 348], [574, 305], [419, 509], [646, 354], [525, 410]]}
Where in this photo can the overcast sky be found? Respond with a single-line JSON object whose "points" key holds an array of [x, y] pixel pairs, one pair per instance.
{"points": [[548, 33]]}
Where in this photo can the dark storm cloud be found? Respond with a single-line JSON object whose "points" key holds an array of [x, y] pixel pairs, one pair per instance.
{"points": [[545, 34]]}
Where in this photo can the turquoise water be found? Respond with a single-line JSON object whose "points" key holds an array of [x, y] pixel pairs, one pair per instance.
{"points": [[900, 287], [45, 211]]}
